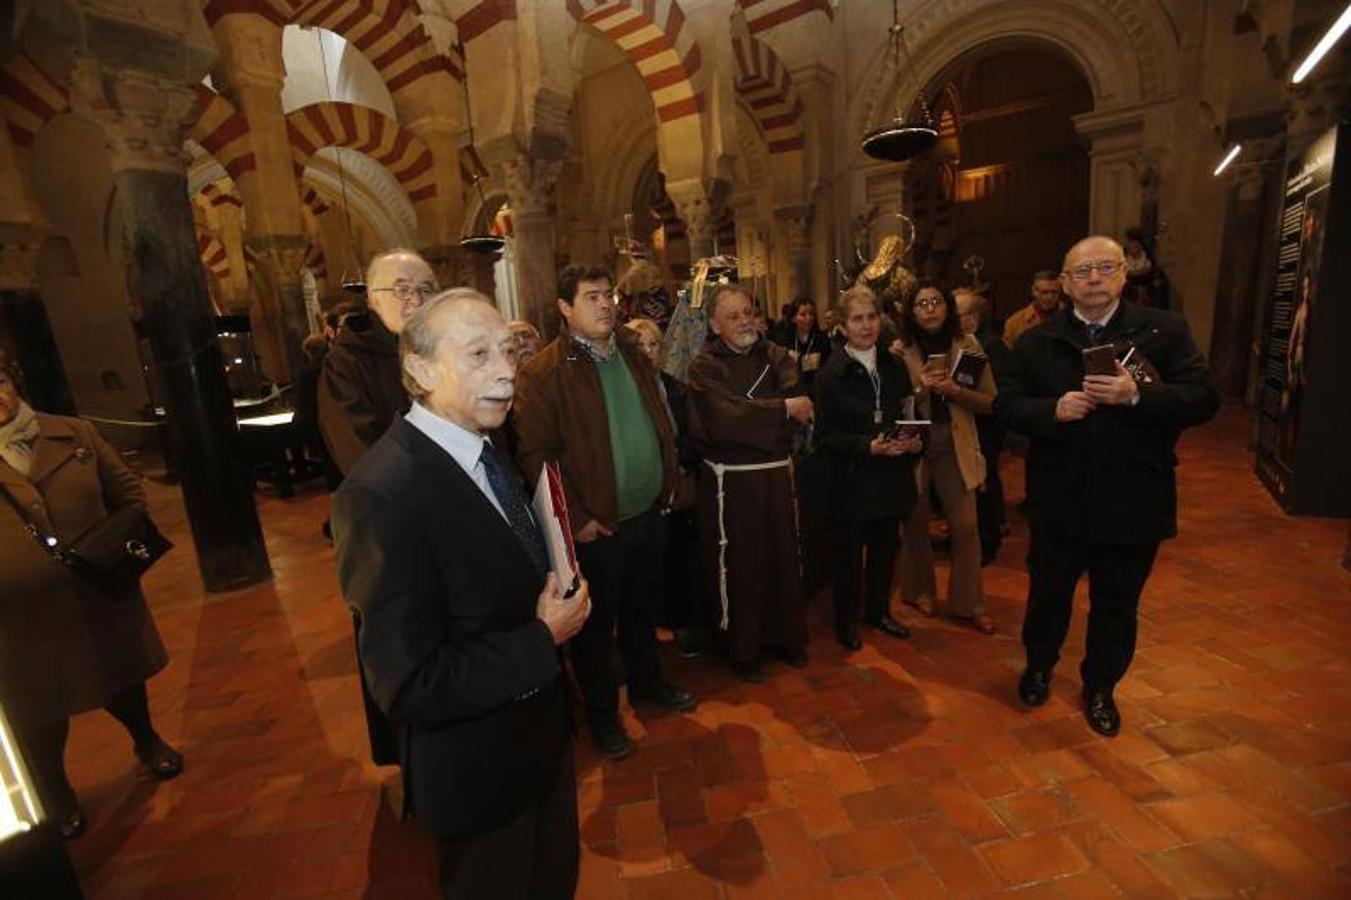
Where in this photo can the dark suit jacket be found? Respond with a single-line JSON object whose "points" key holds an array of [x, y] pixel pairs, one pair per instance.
{"points": [[1107, 478], [863, 486], [450, 646], [360, 391]]}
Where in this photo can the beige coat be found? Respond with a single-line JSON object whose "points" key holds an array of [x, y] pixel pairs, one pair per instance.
{"points": [[64, 647], [964, 436]]}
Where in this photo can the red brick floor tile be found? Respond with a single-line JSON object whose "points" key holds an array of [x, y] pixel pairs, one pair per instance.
{"points": [[1035, 811], [1202, 816], [1215, 868], [903, 800], [966, 811], [822, 812], [950, 857], [1033, 858], [1111, 806], [915, 881], [874, 849], [681, 884], [705, 845], [791, 852], [641, 839]]}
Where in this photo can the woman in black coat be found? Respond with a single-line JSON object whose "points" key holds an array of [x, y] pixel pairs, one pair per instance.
{"points": [[806, 343], [860, 394]]}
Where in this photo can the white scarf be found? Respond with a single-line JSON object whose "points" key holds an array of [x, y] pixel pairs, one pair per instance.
{"points": [[17, 437]]}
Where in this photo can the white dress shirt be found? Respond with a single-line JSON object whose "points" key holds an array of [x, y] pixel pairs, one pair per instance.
{"points": [[464, 446], [1106, 317]]}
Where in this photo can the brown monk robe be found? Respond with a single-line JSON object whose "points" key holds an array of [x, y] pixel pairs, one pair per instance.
{"points": [[743, 424]]}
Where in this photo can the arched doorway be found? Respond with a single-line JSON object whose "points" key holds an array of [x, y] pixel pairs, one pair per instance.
{"points": [[1008, 182]]}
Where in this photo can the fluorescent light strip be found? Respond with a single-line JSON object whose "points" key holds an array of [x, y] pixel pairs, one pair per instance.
{"points": [[1323, 46], [1228, 158]]}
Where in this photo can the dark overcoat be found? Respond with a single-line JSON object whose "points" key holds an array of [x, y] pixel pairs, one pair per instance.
{"points": [[1109, 477], [66, 647]]}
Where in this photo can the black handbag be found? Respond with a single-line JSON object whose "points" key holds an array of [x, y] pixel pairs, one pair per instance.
{"points": [[111, 554]]}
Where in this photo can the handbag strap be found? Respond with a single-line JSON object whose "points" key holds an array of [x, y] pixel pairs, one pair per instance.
{"points": [[46, 542]]}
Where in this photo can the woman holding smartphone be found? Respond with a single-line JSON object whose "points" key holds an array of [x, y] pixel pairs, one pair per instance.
{"points": [[860, 396], [931, 341]]}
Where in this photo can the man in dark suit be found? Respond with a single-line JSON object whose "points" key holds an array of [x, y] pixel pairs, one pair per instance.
{"points": [[1100, 484], [439, 557]]}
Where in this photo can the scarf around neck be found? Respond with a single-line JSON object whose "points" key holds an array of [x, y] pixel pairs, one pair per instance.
{"points": [[17, 437]]}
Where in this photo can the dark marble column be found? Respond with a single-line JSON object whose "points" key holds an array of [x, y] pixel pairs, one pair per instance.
{"points": [[165, 279], [26, 333]]}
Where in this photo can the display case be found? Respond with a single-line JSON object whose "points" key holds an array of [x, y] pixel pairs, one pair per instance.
{"points": [[33, 857]]}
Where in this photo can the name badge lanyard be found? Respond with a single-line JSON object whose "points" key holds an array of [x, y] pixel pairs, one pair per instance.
{"points": [[876, 379]]}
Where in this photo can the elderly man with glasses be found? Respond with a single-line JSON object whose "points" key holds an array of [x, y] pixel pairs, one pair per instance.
{"points": [[361, 393], [1103, 390]]}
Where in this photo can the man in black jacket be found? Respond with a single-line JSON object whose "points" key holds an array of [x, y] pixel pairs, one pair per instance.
{"points": [[459, 627], [1100, 482]]}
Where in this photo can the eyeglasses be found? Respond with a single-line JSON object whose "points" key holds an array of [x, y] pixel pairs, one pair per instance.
{"points": [[406, 292], [1102, 267], [929, 303]]}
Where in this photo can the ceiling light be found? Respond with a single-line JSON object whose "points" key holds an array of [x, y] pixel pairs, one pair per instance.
{"points": [[1228, 158], [1323, 46]]}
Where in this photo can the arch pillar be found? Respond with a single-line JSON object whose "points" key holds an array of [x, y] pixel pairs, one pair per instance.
{"points": [[141, 112], [1116, 143], [253, 72]]}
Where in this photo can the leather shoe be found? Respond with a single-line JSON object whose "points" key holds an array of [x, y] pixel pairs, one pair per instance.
{"points": [[888, 625], [751, 673], [1034, 688], [665, 695], [614, 744], [849, 640], [163, 761], [72, 825], [1101, 712]]}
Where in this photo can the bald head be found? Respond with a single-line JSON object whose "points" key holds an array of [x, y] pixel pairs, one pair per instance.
{"points": [[459, 359], [398, 281], [1094, 275]]}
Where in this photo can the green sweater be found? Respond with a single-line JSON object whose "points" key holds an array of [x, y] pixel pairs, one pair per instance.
{"points": [[633, 439]]}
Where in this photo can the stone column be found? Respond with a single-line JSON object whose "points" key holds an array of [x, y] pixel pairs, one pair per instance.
{"points": [[1116, 138], [251, 74], [794, 222], [25, 329], [142, 115], [529, 181], [696, 210]]}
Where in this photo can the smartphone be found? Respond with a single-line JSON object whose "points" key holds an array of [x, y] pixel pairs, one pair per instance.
{"points": [[937, 363], [1100, 360]]}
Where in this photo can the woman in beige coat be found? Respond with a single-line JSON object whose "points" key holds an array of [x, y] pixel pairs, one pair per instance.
{"points": [[931, 338], [66, 647]]}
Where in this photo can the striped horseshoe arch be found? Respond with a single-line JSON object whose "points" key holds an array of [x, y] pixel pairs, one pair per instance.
{"points": [[764, 83], [367, 131], [652, 34], [29, 98]]}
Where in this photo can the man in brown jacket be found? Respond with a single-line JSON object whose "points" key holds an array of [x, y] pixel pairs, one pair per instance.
{"points": [[360, 387], [1046, 302], [590, 400]]}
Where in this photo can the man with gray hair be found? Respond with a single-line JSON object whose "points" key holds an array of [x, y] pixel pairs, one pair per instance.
{"points": [[360, 392], [460, 619], [1103, 390]]}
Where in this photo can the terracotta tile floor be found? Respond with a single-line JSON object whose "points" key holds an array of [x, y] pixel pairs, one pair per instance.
{"points": [[906, 770]]}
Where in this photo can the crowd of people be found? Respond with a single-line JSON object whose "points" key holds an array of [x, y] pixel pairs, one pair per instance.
{"points": [[439, 417], [465, 638]]}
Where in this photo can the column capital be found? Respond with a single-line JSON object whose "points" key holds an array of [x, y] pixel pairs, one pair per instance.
{"points": [[142, 115], [282, 254], [529, 182]]}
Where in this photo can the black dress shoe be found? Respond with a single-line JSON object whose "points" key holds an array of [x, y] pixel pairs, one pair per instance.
{"points": [[888, 625], [72, 825], [1034, 688], [665, 695], [614, 744], [163, 761], [849, 640], [751, 673], [1101, 712]]}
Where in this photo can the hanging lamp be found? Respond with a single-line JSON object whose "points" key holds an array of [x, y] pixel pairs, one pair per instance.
{"points": [[899, 140], [486, 243]]}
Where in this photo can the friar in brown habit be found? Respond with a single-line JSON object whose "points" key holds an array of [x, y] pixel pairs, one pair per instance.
{"points": [[745, 405]]}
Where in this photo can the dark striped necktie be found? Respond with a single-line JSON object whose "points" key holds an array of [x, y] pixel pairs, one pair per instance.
{"points": [[509, 494]]}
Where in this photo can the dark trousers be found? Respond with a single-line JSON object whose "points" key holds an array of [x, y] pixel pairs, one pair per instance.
{"points": [[535, 856], [867, 558], [44, 746], [683, 585], [1116, 576], [625, 575], [990, 510]]}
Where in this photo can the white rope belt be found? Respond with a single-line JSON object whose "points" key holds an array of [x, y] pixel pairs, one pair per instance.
{"points": [[719, 470]]}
